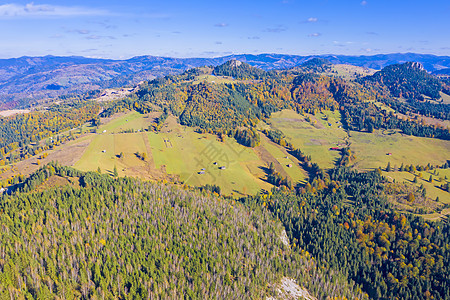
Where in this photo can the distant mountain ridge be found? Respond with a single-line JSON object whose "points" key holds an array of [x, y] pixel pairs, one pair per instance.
{"points": [[27, 78]]}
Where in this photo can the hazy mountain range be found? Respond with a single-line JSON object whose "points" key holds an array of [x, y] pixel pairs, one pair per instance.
{"points": [[26, 78]]}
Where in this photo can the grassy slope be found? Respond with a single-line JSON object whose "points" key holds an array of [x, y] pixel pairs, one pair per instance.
{"points": [[371, 149], [348, 71], [445, 97], [314, 140], [433, 189], [133, 120], [189, 152], [114, 144], [186, 154], [295, 172], [384, 107], [213, 79]]}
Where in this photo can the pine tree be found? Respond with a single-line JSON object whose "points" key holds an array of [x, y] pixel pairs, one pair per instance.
{"points": [[116, 174], [388, 167]]}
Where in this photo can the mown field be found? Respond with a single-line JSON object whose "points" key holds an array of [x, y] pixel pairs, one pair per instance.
{"points": [[187, 154], [288, 163], [103, 152], [314, 137], [213, 79], [371, 149], [193, 158], [349, 72], [130, 120]]}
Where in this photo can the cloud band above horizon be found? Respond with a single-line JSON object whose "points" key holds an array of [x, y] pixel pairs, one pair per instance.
{"points": [[32, 10]]}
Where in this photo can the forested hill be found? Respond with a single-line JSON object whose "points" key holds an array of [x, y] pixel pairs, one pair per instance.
{"points": [[225, 105], [316, 65], [239, 70], [27, 78], [408, 80], [349, 225], [74, 235]]}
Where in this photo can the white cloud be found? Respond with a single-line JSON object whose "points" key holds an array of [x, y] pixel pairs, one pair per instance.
{"points": [[364, 2], [32, 10], [221, 25], [278, 29], [80, 31], [99, 37], [312, 20], [315, 34]]}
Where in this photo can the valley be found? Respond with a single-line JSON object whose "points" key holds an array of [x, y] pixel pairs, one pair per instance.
{"points": [[180, 155], [322, 156], [184, 150]]}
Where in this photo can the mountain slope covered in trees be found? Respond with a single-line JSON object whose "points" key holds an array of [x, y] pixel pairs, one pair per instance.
{"points": [[346, 222], [223, 108], [408, 80], [28, 78], [102, 237]]}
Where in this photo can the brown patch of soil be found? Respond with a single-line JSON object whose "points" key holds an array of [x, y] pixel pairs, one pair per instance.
{"points": [[317, 124], [11, 112], [57, 180], [318, 142], [66, 155], [149, 171], [265, 156], [426, 120], [112, 117]]}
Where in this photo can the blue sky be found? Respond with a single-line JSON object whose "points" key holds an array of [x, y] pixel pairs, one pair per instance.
{"points": [[193, 28]]}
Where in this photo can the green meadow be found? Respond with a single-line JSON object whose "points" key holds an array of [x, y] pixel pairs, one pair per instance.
{"points": [[314, 137], [105, 148], [287, 162], [372, 149], [179, 150], [213, 79], [131, 120], [197, 159]]}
